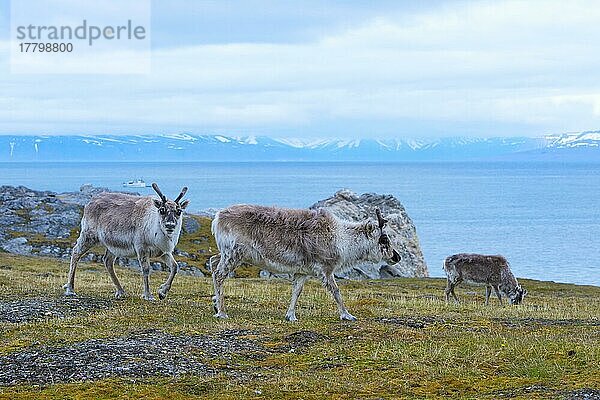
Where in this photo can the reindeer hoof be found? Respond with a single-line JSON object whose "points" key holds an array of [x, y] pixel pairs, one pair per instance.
{"points": [[214, 304], [120, 294], [148, 297], [221, 315], [347, 317], [69, 291], [291, 318], [162, 292]]}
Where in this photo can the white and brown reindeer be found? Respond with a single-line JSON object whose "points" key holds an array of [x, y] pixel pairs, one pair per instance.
{"points": [[299, 242], [492, 271], [131, 226]]}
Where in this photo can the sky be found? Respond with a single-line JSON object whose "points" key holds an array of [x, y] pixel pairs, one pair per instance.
{"points": [[318, 69]]}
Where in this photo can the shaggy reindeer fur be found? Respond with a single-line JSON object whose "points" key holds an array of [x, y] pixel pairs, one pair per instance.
{"points": [[491, 271], [302, 243], [130, 226]]}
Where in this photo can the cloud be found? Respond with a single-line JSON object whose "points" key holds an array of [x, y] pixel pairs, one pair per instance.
{"points": [[502, 67]]}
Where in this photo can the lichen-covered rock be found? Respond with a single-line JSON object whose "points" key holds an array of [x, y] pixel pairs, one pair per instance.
{"points": [[84, 195], [36, 213], [190, 225], [17, 245], [348, 205]]}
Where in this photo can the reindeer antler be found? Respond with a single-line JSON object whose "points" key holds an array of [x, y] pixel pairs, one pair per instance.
{"points": [[157, 190], [183, 191], [382, 221]]}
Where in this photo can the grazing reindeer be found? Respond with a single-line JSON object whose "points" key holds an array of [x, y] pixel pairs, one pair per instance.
{"points": [[131, 226], [491, 271], [302, 243]]}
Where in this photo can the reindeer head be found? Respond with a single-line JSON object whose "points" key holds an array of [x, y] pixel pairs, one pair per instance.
{"points": [[517, 295], [390, 255], [171, 212]]}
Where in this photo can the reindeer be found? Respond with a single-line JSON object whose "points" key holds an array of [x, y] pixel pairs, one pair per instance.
{"points": [[491, 271], [302, 243], [131, 226]]}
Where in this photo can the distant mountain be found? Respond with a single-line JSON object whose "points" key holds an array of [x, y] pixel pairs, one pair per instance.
{"points": [[185, 147], [569, 147], [574, 140]]}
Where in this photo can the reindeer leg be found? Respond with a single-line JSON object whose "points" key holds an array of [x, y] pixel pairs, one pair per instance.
{"points": [[488, 291], [226, 264], [297, 284], [454, 294], [497, 290], [173, 267], [448, 290], [145, 265], [109, 263], [331, 285], [83, 245], [213, 262]]}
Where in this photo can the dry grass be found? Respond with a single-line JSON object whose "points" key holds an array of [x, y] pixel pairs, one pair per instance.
{"points": [[407, 343]]}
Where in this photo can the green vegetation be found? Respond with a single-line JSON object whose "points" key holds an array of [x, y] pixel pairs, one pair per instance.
{"points": [[407, 342]]}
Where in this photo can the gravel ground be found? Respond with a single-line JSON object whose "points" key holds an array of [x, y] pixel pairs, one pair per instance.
{"points": [[411, 322], [578, 394], [143, 354], [300, 340], [582, 394], [422, 322], [27, 310], [520, 322]]}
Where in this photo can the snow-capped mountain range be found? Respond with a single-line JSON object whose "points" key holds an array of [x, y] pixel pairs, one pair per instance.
{"points": [[585, 139], [583, 146]]}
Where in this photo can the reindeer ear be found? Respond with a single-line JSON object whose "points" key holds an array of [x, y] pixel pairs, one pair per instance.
{"points": [[370, 228], [157, 203], [184, 204]]}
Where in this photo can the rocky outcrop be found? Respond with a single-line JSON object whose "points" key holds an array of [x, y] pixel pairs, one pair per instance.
{"points": [[35, 213], [348, 205], [84, 195]]}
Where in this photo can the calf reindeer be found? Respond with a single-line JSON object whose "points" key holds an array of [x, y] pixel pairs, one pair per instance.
{"points": [[491, 271], [131, 226]]}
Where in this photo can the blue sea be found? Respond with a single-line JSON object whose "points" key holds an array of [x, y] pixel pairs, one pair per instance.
{"points": [[545, 218]]}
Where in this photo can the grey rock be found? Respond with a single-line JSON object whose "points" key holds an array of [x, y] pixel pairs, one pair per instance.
{"points": [[190, 225], [192, 271], [357, 274], [36, 212], [348, 205], [86, 192], [17, 245]]}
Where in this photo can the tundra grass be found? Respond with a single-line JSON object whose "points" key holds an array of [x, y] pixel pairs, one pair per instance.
{"points": [[407, 343]]}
